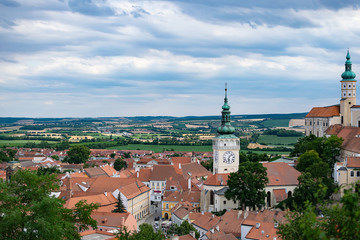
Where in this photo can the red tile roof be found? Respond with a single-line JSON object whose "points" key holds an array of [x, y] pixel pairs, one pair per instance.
{"points": [[280, 194], [281, 174], [324, 111], [353, 162], [219, 179], [194, 170], [350, 135]]}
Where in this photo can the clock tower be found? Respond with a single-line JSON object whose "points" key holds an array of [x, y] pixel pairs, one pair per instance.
{"points": [[226, 145]]}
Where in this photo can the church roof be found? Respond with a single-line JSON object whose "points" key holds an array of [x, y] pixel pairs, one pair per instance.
{"points": [[329, 111]]}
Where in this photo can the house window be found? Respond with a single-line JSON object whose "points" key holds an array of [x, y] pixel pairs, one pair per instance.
{"points": [[167, 206], [358, 173], [224, 202], [352, 173]]}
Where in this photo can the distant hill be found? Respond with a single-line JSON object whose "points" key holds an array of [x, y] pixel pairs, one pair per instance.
{"points": [[14, 120]]}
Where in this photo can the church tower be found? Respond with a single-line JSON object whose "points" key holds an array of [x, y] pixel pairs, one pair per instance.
{"points": [[348, 92], [226, 145]]}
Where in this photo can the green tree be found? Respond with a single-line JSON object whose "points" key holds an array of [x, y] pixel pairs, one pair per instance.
{"points": [[327, 148], [127, 154], [78, 154], [120, 164], [183, 229], [146, 232], [119, 208], [208, 164], [29, 212], [308, 190], [112, 155], [62, 146], [7, 155], [55, 157], [338, 221], [307, 159], [43, 171], [247, 185]]}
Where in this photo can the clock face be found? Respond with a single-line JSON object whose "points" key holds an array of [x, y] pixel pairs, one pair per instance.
{"points": [[216, 157], [229, 157]]}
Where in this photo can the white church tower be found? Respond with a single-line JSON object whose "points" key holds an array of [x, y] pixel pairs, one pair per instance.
{"points": [[226, 145]]}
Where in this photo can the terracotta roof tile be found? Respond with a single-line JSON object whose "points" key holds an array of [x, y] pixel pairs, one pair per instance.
{"points": [[280, 194], [324, 111], [281, 174], [196, 170], [130, 187], [164, 172], [220, 236], [350, 135], [353, 162], [95, 172], [206, 222], [231, 222], [219, 179], [101, 199], [109, 170], [110, 219]]}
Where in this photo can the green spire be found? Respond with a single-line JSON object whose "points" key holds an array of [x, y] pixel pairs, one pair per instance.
{"points": [[348, 75], [225, 127]]}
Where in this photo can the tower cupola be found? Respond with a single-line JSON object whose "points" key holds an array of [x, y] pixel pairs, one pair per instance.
{"points": [[348, 75], [225, 127]]}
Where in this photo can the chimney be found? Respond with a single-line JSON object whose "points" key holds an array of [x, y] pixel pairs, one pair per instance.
{"points": [[105, 193], [257, 225], [137, 174], [239, 214], [217, 228], [179, 165], [189, 184], [67, 182]]}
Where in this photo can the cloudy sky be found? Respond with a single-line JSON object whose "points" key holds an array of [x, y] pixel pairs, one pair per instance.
{"points": [[92, 58]]}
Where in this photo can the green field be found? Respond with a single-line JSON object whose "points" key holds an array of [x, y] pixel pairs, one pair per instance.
{"points": [[270, 123], [267, 152], [275, 140], [17, 143], [160, 148]]}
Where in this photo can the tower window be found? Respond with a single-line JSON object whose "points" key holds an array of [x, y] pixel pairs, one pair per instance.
{"points": [[344, 86], [349, 94], [349, 85], [344, 95]]}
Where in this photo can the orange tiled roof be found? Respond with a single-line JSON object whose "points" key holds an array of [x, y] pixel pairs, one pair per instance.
{"points": [[231, 222], [206, 222], [281, 174], [219, 179], [130, 187], [109, 170], [280, 194], [220, 236], [95, 172], [353, 162], [163, 172], [193, 197], [350, 135], [324, 111], [109, 219], [101, 199], [196, 170], [264, 232]]}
